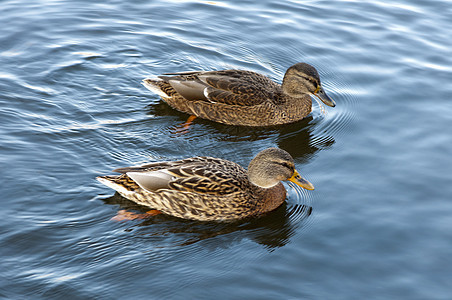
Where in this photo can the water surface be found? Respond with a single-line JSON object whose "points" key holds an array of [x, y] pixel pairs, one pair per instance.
{"points": [[72, 107]]}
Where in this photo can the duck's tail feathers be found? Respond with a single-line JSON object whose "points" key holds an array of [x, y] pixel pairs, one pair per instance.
{"points": [[157, 86], [115, 182]]}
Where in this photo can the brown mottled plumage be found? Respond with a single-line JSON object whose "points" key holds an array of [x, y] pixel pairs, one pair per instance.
{"points": [[239, 97], [207, 188]]}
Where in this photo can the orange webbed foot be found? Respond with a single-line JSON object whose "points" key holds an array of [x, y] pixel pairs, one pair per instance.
{"points": [[184, 127]]}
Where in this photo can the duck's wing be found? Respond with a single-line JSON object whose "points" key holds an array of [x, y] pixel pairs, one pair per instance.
{"points": [[210, 178], [231, 87], [201, 175]]}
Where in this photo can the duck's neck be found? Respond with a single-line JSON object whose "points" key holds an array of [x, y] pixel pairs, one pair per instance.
{"points": [[272, 198]]}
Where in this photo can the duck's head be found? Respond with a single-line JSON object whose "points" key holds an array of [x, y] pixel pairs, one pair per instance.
{"points": [[302, 78], [273, 165]]}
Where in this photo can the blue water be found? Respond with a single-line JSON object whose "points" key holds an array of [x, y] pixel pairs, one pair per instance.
{"points": [[377, 226]]}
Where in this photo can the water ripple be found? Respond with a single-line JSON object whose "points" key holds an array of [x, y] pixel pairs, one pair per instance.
{"points": [[72, 107]]}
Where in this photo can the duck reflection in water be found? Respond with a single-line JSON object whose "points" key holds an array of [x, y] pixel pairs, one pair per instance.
{"points": [[301, 139], [272, 230]]}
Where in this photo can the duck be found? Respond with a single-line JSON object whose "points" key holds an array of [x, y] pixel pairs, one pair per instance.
{"points": [[240, 97], [209, 189]]}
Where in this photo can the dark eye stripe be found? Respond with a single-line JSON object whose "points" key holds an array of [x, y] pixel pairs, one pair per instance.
{"points": [[286, 165], [310, 79]]}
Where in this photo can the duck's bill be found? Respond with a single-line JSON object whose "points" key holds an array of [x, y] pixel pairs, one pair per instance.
{"points": [[324, 97], [300, 181]]}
